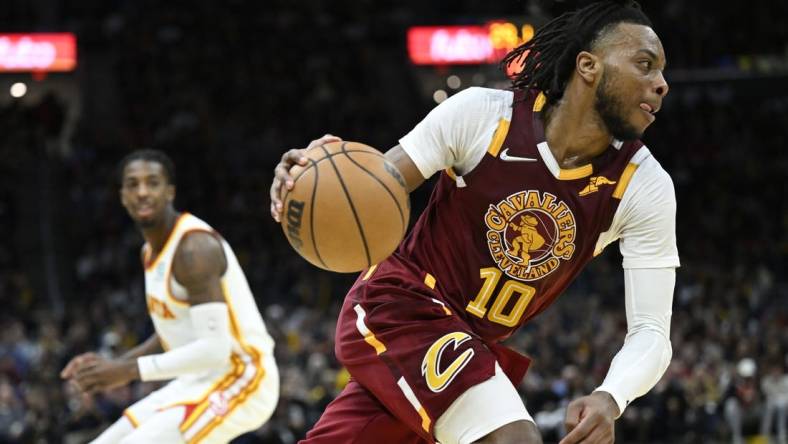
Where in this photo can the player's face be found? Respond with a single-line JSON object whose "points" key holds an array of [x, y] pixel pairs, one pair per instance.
{"points": [[145, 192], [632, 86]]}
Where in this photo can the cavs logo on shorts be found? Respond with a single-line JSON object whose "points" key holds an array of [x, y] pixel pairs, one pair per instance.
{"points": [[437, 375], [530, 232]]}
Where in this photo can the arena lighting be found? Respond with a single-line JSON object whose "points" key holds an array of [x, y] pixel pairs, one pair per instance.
{"points": [[38, 52], [458, 45], [453, 82], [18, 90]]}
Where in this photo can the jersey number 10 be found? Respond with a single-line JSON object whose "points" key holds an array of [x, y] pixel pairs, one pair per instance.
{"points": [[478, 306]]}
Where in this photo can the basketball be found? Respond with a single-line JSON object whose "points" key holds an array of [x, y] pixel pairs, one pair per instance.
{"points": [[348, 208]]}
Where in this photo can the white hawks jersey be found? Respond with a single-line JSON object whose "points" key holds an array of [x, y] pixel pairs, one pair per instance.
{"points": [[170, 314]]}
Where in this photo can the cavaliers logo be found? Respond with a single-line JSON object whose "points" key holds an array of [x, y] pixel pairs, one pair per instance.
{"points": [[530, 233], [438, 379]]}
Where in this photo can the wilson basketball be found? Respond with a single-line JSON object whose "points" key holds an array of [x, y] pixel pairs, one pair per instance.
{"points": [[348, 208]]}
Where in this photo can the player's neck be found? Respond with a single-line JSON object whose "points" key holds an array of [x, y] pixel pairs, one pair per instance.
{"points": [[574, 134], [157, 235]]}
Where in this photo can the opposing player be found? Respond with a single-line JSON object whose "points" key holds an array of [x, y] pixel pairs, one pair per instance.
{"points": [[559, 156], [210, 338]]}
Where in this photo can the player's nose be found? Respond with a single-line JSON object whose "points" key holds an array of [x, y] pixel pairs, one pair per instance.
{"points": [[661, 85], [143, 190]]}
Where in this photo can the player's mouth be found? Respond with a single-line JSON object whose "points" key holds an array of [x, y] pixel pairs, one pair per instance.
{"points": [[145, 211], [650, 110]]}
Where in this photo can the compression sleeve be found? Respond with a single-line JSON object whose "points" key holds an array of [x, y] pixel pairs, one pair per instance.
{"points": [[210, 349], [646, 352]]}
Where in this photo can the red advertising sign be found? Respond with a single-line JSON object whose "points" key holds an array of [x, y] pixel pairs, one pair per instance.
{"points": [[428, 45], [456, 45], [40, 52]]}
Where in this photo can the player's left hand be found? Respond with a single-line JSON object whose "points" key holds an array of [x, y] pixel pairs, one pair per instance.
{"points": [[590, 420], [102, 374]]}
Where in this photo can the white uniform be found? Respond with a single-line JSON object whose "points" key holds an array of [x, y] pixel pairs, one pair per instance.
{"points": [[218, 405]]}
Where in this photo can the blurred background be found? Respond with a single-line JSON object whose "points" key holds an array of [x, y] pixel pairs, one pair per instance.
{"points": [[226, 87]]}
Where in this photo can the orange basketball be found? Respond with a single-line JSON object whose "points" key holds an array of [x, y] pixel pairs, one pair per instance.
{"points": [[348, 209]]}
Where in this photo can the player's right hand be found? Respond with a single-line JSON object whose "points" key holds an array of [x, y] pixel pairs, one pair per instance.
{"points": [[76, 363], [282, 172]]}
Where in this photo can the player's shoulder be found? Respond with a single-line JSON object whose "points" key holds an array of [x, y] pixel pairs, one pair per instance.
{"points": [[650, 182], [654, 170], [477, 97], [198, 253], [189, 222], [489, 94], [197, 237]]}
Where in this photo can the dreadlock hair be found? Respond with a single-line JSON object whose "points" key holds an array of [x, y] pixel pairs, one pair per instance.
{"points": [[148, 155], [549, 57]]}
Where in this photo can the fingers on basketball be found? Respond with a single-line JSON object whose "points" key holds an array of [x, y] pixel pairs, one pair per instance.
{"points": [[348, 209]]}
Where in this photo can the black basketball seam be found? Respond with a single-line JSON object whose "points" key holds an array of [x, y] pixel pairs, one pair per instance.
{"points": [[399, 208], [315, 162], [311, 211], [312, 217], [352, 207]]}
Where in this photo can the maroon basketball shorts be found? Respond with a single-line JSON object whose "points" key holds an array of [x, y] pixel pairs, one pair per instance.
{"points": [[410, 357]]}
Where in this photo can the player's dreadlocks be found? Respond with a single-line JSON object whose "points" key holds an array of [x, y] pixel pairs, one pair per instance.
{"points": [[551, 53], [148, 155]]}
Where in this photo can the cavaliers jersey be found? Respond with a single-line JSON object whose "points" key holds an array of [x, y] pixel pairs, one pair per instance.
{"points": [[170, 314], [503, 239]]}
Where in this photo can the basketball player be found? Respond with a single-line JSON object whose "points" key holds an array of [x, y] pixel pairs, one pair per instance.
{"points": [[210, 338], [419, 331]]}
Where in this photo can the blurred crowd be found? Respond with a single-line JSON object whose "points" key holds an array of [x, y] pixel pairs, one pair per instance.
{"points": [[225, 97]]}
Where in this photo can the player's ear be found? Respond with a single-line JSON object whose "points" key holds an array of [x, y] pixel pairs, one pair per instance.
{"points": [[588, 66], [170, 193]]}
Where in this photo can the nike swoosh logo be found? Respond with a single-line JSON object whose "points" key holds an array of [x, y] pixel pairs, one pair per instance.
{"points": [[507, 158]]}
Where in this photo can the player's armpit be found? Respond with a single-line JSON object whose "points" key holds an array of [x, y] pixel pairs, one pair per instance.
{"points": [[198, 265], [409, 171]]}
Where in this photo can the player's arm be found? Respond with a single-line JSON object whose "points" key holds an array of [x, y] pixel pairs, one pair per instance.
{"points": [[198, 265], [646, 352], [646, 223], [125, 364], [640, 363], [150, 346], [397, 156], [455, 134], [407, 168]]}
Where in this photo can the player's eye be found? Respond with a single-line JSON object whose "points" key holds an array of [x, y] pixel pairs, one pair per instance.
{"points": [[645, 64]]}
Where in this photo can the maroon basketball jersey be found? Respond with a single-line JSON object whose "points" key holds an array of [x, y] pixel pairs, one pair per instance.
{"points": [[506, 239]]}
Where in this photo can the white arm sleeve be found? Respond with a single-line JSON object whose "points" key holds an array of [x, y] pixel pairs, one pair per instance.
{"points": [[646, 353], [648, 224], [457, 132], [645, 221], [210, 349]]}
